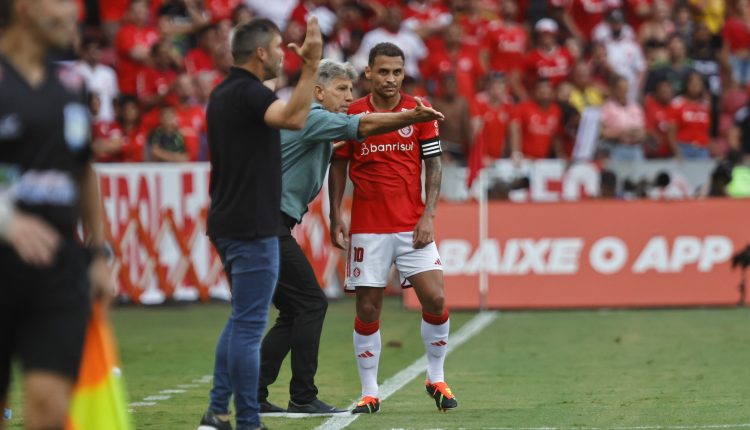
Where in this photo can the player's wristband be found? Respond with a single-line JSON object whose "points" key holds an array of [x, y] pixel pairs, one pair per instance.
{"points": [[7, 211]]}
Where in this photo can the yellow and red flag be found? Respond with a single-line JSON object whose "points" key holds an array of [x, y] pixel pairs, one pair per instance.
{"points": [[99, 401]]}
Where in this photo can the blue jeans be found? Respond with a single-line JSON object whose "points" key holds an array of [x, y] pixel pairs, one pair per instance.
{"points": [[694, 152], [253, 269], [740, 69], [623, 152]]}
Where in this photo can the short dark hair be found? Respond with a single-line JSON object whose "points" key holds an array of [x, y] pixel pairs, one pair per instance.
{"points": [[89, 41], [6, 12], [387, 49], [250, 36]]}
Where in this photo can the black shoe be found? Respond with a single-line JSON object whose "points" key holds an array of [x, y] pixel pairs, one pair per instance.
{"points": [[268, 407], [210, 421], [314, 407]]}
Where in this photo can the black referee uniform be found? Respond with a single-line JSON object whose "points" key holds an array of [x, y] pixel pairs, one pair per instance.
{"points": [[44, 144]]}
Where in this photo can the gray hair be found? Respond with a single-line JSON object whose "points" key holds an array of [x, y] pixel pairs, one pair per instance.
{"points": [[328, 70]]}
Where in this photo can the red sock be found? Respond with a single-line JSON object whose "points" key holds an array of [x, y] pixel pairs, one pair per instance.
{"points": [[366, 329]]}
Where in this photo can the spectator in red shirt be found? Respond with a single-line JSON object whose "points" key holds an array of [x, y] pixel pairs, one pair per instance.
{"points": [[492, 116], [219, 10], [155, 81], [427, 18], [126, 139], [583, 15], [659, 120], [506, 44], [190, 115], [691, 115], [639, 11], [106, 136], [737, 35], [549, 60], [474, 23], [133, 44], [200, 58], [455, 57], [623, 124], [535, 130]]}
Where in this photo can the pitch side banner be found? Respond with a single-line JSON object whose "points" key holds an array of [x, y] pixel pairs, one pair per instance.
{"points": [[593, 254]]}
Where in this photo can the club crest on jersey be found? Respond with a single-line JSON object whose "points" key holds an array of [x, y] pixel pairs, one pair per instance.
{"points": [[406, 131], [76, 125], [356, 272]]}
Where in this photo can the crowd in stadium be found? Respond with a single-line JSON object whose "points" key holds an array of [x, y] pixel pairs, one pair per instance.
{"points": [[667, 78]]}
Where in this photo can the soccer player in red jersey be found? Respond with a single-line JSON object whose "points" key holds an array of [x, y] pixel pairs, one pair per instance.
{"points": [[390, 224]]}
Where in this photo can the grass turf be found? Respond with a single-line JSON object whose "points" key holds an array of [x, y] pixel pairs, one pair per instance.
{"points": [[528, 369]]}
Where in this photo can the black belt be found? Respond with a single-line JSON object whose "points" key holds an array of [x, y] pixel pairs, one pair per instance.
{"points": [[288, 221]]}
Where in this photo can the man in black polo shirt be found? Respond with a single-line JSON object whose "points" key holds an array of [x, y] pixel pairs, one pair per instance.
{"points": [[244, 118], [46, 184]]}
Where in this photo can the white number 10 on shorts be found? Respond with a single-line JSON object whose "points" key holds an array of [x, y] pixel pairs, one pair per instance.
{"points": [[372, 254]]}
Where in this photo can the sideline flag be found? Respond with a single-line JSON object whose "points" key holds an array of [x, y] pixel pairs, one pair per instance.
{"points": [[475, 162], [99, 400]]}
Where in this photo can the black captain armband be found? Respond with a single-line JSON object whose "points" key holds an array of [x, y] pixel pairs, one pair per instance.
{"points": [[430, 148]]}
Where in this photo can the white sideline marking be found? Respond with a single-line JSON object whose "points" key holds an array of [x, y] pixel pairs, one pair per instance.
{"points": [[157, 398], [164, 394], [298, 415], [142, 404], [651, 427], [397, 381]]}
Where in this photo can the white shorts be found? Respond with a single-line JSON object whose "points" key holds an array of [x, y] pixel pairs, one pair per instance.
{"points": [[372, 254]]}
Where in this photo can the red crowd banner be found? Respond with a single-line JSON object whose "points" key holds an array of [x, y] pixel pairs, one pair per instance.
{"points": [[592, 254]]}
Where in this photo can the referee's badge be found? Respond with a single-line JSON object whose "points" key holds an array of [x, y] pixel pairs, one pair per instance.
{"points": [[76, 125]]}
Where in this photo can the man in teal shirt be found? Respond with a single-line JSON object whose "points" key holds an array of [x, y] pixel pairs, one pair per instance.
{"points": [[305, 155]]}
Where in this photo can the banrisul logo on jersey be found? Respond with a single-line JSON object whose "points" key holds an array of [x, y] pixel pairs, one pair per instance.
{"points": [[371, 148]]}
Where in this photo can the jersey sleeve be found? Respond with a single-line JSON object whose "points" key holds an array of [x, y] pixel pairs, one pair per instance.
{"points": [[429, 138], [345, 151]]}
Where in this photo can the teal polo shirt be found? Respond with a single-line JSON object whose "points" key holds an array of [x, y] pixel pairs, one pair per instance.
{"points": [[306, 153]]}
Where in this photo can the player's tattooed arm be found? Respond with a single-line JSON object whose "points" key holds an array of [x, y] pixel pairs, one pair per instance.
{"points": [[424, 231], [433, 180]]}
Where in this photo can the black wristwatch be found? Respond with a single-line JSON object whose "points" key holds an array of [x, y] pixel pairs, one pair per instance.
{"points": [[99, 251]]}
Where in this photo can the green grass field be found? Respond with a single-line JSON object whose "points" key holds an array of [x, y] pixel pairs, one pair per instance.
{"points": [[605, 369]]}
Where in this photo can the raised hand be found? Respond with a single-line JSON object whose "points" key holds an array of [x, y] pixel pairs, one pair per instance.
{"points": [[425, 113], [312, 48]]}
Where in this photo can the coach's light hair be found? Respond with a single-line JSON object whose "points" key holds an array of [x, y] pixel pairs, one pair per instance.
{"points": [[328, 70], [248, 37]]}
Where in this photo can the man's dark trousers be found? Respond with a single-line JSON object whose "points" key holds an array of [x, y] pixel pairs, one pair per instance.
{"points": [[302, 308]]}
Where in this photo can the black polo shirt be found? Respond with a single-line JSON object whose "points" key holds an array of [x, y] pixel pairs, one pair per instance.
{"points": [[44, 143], [245, 154]]}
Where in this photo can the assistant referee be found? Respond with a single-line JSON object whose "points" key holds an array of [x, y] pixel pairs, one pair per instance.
{"points": [[46, 185]]}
